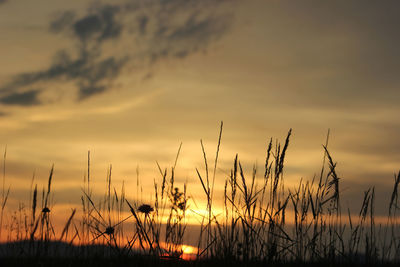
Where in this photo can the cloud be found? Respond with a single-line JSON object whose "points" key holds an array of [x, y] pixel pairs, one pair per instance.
{"points": [[100, 23], [109, 39], [29, 98], [91, 76], [194, 34], [65, 19]]}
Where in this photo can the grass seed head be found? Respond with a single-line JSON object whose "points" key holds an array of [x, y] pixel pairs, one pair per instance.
{"points": [[45, 210], [145, 208], [109, 230]]}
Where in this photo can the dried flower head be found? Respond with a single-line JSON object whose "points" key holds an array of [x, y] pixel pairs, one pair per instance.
{"points": [[145, 208], [109, 230], [45, 210]]}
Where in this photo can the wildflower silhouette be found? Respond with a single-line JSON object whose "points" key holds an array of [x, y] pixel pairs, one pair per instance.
{"points": [[146, 209], [45, 210], [109, 230]]}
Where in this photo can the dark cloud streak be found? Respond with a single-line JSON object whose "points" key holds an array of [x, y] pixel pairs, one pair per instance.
{"points": [[102, 24], [29, 98], [166, 29], [89, 75]]}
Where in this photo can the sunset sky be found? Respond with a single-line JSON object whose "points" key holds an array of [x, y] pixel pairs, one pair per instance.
{"points": [[130, 80]]}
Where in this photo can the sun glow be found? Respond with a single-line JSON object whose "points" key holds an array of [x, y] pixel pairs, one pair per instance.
{"points": [[188, 249], [189, 252]]}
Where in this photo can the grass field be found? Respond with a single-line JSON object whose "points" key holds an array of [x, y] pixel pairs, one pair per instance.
{"points": [[263, 223]]}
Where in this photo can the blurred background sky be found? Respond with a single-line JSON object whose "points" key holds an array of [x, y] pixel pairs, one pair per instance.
{"points": [[130, 80]]}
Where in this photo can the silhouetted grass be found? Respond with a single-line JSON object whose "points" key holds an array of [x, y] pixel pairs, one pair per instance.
{"points": [[262, 223]]}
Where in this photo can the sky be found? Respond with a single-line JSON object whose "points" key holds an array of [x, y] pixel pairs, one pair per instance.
{"points": [[130, 80]]}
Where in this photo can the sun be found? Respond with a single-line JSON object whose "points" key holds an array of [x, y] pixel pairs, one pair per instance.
{"points": [[188, 249]]}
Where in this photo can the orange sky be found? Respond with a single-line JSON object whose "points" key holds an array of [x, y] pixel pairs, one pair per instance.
{"points": [[130, 80]]}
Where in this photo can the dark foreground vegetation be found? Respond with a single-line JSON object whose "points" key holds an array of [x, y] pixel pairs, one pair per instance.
{"points": [[263, 223], [142, 261]]}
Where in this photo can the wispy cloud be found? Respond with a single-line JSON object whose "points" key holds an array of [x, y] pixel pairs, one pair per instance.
{"points": [[29, 98], [148, 31]]}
